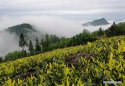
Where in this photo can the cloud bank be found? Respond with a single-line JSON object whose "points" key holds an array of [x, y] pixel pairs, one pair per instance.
{"points": [[46, 24], [8, 43]]}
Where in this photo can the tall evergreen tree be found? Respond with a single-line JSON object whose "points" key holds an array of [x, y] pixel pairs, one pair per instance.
{"points": [[112, 31], [46, 40], [22, 42], [100, 32], [45, 43], [37, 47], [31, 48], [1, 59]]}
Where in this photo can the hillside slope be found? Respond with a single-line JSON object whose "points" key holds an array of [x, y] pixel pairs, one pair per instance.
{"points": [[102, 60]]}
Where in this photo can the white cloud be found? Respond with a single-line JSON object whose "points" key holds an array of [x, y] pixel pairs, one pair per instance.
{"points": [[51, 24], [8, 43]]}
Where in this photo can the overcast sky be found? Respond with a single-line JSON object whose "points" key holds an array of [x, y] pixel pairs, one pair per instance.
{"points": [[85, 8]]}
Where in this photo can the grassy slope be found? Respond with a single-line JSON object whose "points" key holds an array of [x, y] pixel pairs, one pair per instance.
{"points": [[93, 63]]}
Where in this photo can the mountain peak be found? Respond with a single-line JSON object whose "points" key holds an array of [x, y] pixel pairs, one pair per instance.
{"points": [[21, 28], [97, 22], [27, 29]]}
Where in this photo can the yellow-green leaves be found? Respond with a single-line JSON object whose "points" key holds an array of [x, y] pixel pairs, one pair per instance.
{"points": [[121, 46], [10, 82], [106, 72], [67, 81], [89, 44], [66, 71], [80, 83], [111, 61], [105, 61]]}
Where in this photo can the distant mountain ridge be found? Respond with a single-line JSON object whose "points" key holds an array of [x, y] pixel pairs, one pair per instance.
{"points": [[25, 28], [22, 28], [97, 22]]}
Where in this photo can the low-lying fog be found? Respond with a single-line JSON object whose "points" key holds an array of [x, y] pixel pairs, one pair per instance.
{"points": [[8, 43], [51, 24]]}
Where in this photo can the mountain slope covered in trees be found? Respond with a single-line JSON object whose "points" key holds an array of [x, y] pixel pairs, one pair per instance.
{"points": [[51, 42], [27, 29], [93, 63], [22, 28], [90, 63]]}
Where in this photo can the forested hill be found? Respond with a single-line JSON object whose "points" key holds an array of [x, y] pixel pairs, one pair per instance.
{"points": [[51, 42], [87, 63], [22, 28], [27, 29], [91, 64]]}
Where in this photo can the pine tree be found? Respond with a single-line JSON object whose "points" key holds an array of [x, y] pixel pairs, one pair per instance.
{"points": [[31, 48], [112, 31], [100, 32], [45, 43], [22, 41], [1, 59], [37, 47], [46, 40], [22, 44]]}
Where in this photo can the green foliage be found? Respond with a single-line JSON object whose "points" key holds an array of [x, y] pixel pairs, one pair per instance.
{"points": [[37, 47], [22, 41], [1, 59], [91, 64], [45, 43], [22, 28], [13, 55], [116, 29], [52, 42], [49, 42], [82, 38], [121, 28], [100, 32], [31, 48], [112, 31]]}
